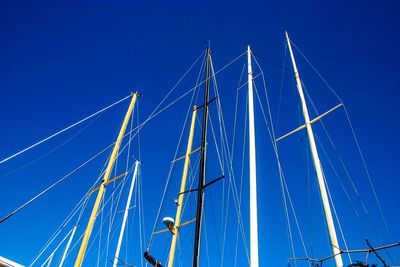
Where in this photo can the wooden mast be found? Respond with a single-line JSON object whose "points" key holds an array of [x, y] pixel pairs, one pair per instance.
{"points": [[202, 175], [126, 211], [182, 190], [89, 228], [317, 164], [252, 169]]}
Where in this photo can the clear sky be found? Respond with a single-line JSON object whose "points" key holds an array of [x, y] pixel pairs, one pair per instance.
{"points": [[60, 62]]}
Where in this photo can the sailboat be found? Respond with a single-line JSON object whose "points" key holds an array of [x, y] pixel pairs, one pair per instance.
{"points": [[176, 230]]}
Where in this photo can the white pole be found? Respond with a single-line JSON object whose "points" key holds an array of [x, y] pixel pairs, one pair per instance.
{"points": [[252, 167], [50, 260], [128, 202], [67, 246], [317, 164]]}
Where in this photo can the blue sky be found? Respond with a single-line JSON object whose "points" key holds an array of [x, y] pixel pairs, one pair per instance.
{"points": [[62, 61]]}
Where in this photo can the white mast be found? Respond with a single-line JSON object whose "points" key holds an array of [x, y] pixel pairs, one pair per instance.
{"points": [[67, 247], [50, 260], [317, 164], [252, 167], [128, 202]]}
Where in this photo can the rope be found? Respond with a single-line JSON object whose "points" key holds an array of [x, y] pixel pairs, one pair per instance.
{"points": [[362, 158], [206, 237], [236, 109], [104, 203], [336, 215], [343, 187], [52, 186], [51, 151], [367, 172], [155, 114], [284, 186], [63, 130], [318, 73], [52, 254], [232, 151], [83, 200], [242, 174], [50, 241], [281, 87], [272, 137], [221, 161], [172, 165], [233, 187], [348, 175]]}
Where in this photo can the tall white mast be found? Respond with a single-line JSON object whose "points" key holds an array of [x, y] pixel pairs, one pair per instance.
{"points": [[128, 203], [252, 167], [317, 164]]}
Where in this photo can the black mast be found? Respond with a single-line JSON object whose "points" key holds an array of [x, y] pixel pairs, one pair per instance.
{"points": [[202, 175]]}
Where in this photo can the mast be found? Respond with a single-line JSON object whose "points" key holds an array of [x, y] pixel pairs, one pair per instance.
{"points": [[50, 260], [128, 202], [182, 189], [317, 164], [67, 246], [252, 168], [202, 175], [89, 228]]}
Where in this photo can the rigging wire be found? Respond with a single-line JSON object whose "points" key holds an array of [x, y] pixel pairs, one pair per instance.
{"points": [[105, 202], [137, 129], [112, 218], [343, 165], [327, 186], [233, 187], [283, 180], [84, 203], [141, 215], [59, 181], [336, 215], [155, 114], [100, 231], [52, 150], [171, 167], [63, 130], [367, 172], [281, 87], [52, 186], [342, 184], [58, 231], [54, 251], [228, 193], [344, 189], [206, 238], [355, 139], [216, 93], [242, 173], [318, 73], [360, 199], [284, 186]]}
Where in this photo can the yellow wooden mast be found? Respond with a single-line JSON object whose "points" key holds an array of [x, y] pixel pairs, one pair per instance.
{"points": [[104, 182], [183, 186]]}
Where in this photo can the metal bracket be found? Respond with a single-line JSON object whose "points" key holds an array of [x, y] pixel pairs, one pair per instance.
{"points": [[207, 184]]}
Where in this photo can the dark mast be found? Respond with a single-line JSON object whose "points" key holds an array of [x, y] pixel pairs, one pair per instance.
{"points": [[202, 175]]}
